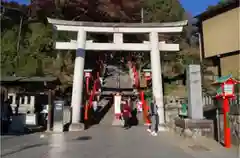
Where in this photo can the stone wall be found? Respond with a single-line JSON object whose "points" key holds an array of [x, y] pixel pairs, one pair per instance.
{"points": [[172, 110], [172, 107]]}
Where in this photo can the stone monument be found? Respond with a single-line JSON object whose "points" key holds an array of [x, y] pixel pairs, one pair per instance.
{"points": [[194, 124], [194, 88]]}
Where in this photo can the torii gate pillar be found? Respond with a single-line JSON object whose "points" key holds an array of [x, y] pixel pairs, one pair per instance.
{"points": [[157, 86], [78, 81]]}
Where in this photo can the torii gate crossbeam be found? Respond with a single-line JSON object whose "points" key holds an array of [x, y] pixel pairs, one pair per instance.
{"points": [[118, 29]]}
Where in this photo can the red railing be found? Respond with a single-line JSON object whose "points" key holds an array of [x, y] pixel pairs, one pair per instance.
{"points": [[88, 105], [145, 108]]}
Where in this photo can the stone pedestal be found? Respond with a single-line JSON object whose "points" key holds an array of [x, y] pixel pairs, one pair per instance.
{"points": [[58, 127], [193, 128], [74, 127]]}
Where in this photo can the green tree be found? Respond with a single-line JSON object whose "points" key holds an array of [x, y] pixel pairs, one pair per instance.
{"points": [[37, 55], [8, 51], [163, 11]]}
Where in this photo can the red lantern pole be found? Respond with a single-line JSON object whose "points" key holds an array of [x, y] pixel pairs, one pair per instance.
{"points": [[145, 109], [86, 112], [98, 75], [137, 80], [87, 74], [87, 84], [142, 98], [227, 129]]}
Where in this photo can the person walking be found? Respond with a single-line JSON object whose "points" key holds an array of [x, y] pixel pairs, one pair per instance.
{"points": [[6, 114], [153, 128], [126, 114], [95, 104]]}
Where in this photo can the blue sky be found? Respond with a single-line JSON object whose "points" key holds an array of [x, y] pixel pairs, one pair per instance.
{"points": [[197, 6], [192, 6]]}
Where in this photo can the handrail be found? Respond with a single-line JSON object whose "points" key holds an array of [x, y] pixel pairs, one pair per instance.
{"points": [[90, 100]]}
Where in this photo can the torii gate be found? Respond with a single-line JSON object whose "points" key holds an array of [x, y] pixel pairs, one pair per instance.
{"points": [[117, 29]]}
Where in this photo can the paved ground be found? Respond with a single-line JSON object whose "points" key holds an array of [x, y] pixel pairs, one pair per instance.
{"points": [[108, 142]]}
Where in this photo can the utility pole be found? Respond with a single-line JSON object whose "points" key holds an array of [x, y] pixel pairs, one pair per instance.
{"points": [[142, 15], [4, 10], [18, 39], [200, 46]]}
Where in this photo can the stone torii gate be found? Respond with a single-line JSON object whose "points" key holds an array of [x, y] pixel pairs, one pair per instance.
{"points": [[117, 29]]}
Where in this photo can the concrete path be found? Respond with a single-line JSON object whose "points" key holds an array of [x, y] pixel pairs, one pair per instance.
{"points": [[108, 118], [108, 142]]}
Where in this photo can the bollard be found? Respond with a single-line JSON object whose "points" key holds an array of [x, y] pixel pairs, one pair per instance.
{"points": [[58, 115]]}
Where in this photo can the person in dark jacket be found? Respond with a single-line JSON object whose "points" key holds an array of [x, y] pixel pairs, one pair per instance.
{"points": [[6, 114], [126, 114], [153, 128]]}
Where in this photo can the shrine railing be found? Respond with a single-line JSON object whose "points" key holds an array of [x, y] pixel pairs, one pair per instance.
{"points": [[92, 94]]}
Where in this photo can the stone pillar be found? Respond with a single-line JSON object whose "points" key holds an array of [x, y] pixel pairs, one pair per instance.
{"points": [[25, 100], [32, 103], [194, 88], [78, 82], [20, 101], [157, 77], [14, 99]]}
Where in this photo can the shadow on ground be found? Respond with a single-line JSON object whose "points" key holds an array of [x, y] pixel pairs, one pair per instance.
{"points": [[23, 148], [27, 130], [84, 138]]}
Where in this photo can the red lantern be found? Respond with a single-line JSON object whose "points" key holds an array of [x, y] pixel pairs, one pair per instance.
{"points": [[226, 88], [225, 92], [87, 74], [147, 74]]}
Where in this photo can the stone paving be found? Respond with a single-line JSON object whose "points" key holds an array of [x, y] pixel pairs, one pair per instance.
{"points": [[109, 142]]}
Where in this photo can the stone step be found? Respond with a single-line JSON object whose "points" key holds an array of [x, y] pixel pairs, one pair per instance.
{"points": [[103, 102]]}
